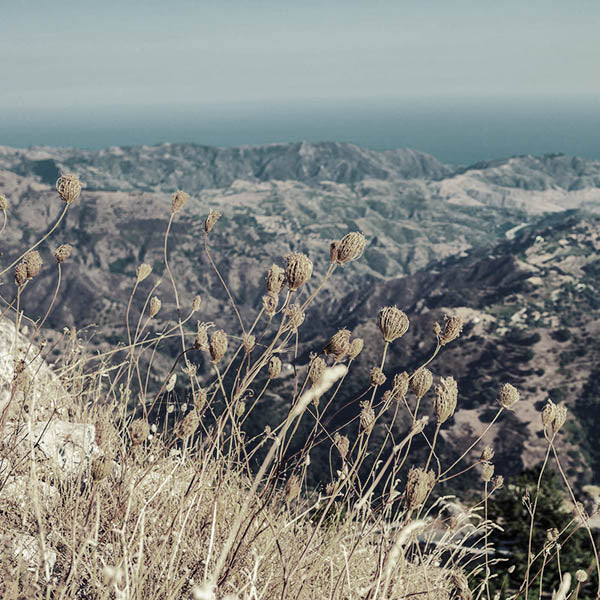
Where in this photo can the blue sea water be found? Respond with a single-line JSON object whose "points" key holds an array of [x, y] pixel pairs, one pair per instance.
{"points": [[459, 131]]}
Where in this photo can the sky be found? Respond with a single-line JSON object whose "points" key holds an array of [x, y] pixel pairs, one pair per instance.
{"points": [[143, 59]]}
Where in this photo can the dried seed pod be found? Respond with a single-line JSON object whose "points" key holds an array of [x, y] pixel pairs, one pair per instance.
{"points": [[211, 220], [68, 187], [351, 247], [139, 431], [367, 417], [63, 252], [342, 443], [295, 316], [487, 454], [275, 279], [445, 400], [270, 302], [356, 347], [461, 586], [452, 327], [392, 322], [333, 251], [143, 271], [200, 399], [421, 381], [171, 383], [248, 341], [487, 471], [548, 413], [559, 418], [201, 339], [101, 467], [339, 345], [377, 376], [154, 307], [274, 367], [581, 576], [187, 427], [400, 385], [298, 269], [20, 274], [418, 485], [316, 370], [33, 262], [3, 203], [180, 199], [509, 395], [218, 345], [552, 535], [292, 488], [196, 303], [497, 482]]}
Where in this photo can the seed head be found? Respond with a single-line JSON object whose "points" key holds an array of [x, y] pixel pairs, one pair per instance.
{"points": [[68, 187], [295, 316], [552, 535], [461, 585], [298, 269], [218, 345], [20, 273], [487, 454], [188, 425], [509, 395], [3, 203], [548, 413], [180, 199], [333, 251], [421, 381], [497, 482], [292, 488], [356, 347], [63, 252], [139, 430], [400, 385], [200, 399], [559, 418], [445, 399], [274, 367], [393, 323], [418, 485], [367, 417], [33, 261], [101, 467], [196, 303], [419, 425], [487, 471], [377, 376], [275, 279], [143, 271], [201, 340], [351, 247], [270, 302], [581, 575], [342, 443], [211, 220], [248, 341], [171, 383], [315, 371], [339, 345], [452, 328], [154, 307]]}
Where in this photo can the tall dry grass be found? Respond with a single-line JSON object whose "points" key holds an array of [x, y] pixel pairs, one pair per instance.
{"points": [[185, 504]]}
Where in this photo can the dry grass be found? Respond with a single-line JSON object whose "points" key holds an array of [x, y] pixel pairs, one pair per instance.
{"points": [[104, 495]]}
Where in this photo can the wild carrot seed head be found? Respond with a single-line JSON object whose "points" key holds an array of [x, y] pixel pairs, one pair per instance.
{"points": [[452, 328], [211, 220], [68, 187], [218, 345], [63, 252], [421, 381], [33, 261], [351, 247], [356, 347], [142, 272], [377, 377], [154, 306], [445, 399], [392, 322], [274, 367], [180, 199], [339, 344], [509, 395], [275, 279], [298, 269]]}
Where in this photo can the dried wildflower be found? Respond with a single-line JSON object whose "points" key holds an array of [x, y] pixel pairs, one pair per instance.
{"points": [[367, 416], [452, 328], [552, 535], [270, 302], [295, 316], [171, 383], [377, 376], [548, 413], [3, 203], [200, 399], [356, 347], [559, 418], [419, 425], [333, 251], [201, 339], [316, 370], [196, 303], [509, 395], [63, 252], [437, 329], [418, 485], [154, 307], [342, 443], [292, 488], [211, 220], [400, 385], [487, 471], [248, 341], [461, 586], [275, 279], [298, 269], [139, 430], [274, 367], [68, 187], [143, 271], [445, 399], [392, 322], [339, 344], [101, 468], [581, 576], [187, 427], [33, 262], [20, 274], [487, 454], [218, 345], [350, 247], [104, 434], [497, 482], [180, 199], [421, 381], [240, 409]]}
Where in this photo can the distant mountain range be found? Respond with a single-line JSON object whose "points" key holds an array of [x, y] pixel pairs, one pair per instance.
{"points": [[511, 244]]}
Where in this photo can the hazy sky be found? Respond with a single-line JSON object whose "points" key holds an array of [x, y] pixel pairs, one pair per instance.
{"points": [[105, 53]]}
